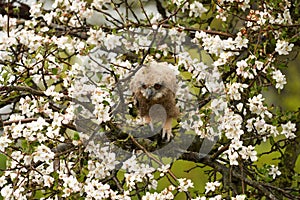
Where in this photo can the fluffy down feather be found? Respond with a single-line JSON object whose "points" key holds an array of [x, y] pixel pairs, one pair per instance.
{"points": [[154, 87]]}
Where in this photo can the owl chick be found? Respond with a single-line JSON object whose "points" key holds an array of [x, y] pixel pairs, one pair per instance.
{"points": [[154, 87]]}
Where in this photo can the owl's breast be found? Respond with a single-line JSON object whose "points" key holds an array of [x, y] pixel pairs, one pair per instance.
{"points": [[166, 100]]}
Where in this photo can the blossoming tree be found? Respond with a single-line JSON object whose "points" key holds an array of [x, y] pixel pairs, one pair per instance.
{"points": [[69, 127]]}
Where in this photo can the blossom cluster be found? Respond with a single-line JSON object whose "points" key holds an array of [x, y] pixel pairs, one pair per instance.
{"points": [[167, 193], [138, 173], [64, 75]]}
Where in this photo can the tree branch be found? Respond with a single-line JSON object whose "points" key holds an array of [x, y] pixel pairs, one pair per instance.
{"points": [[195, 157]]}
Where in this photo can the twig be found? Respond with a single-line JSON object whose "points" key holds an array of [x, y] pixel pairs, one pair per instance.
{"points": [[27, 89], [22, 88], [174, 13], [143, 9]]}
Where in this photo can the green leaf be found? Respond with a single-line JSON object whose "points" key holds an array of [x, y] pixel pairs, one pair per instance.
{"points": [[54, 71], [206, 58], [272, 142], [76, 136], [2, 162]]}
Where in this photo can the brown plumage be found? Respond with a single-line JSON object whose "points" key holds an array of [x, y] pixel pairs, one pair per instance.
{"points": [[154, 87]]}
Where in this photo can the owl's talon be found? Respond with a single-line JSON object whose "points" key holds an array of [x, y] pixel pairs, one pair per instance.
{"points": [[167, 134], [167, 130]]}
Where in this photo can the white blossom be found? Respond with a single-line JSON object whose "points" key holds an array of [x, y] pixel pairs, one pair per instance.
{"points": [[97, 190], [235, 90], [240, 106], [243, 69], [180, 3], [248, 152], [197, 9], [235, 144], [221, 14], [3, 181], [112, 41], [96, 36], [48, 17], [274, 172], [279, 78], [217, 197], [240, 42], [164, 195], [283, 47], [108, 162], [256, 106], [35, 10], [4, 142], [48, 180], [244, 4], [52, 93], [71, 185], [233, 156], [7, 191], [184, 184], [163, 169], [232, 125], [211, 186], [102, 113], [43, 153], [138, 173], [130, 164], [287, 16], [259, 65], [239, 197], [288, 130]]}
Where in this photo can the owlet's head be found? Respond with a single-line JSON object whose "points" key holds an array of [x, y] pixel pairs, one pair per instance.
{"points": [[154, 80]]}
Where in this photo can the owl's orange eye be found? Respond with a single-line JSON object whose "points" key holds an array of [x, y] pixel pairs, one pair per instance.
{"points": [[144, 86], [157, 86]]}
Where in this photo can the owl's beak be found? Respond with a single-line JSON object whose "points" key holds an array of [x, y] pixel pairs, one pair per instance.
{"points": [[149, 93]]}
